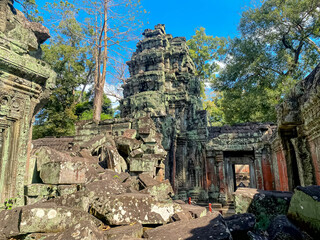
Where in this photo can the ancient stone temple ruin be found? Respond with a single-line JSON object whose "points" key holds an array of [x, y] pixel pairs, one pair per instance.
{"points": [[163, 131], [25, 83], [129, 177], [163, 86]]}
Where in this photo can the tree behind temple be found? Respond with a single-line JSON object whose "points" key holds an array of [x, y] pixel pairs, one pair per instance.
{"points": [[111, 26], [279, 45]]}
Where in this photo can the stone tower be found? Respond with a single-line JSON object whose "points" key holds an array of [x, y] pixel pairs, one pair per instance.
{"points": [[25, 83], [162, 85]]}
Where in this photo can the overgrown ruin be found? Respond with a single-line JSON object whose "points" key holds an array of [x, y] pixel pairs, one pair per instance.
{"points": [[25, 83], [138, 170]]}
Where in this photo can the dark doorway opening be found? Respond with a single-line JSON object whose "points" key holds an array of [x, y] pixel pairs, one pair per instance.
{"points": [[241, 175], [290, 156]]}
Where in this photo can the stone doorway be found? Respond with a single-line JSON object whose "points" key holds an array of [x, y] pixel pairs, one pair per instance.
{"points": [[235, 164]]}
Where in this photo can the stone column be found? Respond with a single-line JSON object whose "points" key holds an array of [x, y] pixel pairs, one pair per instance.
{"points": [[1, 140], [25, 83], [258, 183], [220, 168], [268, 178]]}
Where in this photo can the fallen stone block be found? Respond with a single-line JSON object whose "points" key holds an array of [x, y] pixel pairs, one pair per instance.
{"points": [[281, 228], [127, 145], [126, 208], [66, 172], [240, 224], [147, 180], [162, 191], [41, 192], [68, 189], [138, 153], [95, 142], [181, 216], [84, 230], [211, 226], [130, 133], [134, 230], [141, 165], [48, 219], [105, 187], [265, 205], [132, 184], [195, 211], [34, 190], [41, 218], [45, 155], [256, 236], [37, 192], [304, 208], [10, 220], [111, 159], [121, 209]]}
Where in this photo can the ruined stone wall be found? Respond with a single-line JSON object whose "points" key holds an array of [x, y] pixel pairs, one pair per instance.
{"points": [[163, 86], [25, 83], [296, 146]]}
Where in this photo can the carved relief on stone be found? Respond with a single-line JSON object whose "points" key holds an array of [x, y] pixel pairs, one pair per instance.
{"points": [[16, 107], [5, 102]]}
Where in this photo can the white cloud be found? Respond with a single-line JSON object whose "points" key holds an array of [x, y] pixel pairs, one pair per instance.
{"points": [[221, 65], [114, 93]]}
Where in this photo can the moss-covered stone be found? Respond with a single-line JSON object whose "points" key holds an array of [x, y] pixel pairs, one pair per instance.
{"points": [[265, 205], [305, 208], [25, 84]]}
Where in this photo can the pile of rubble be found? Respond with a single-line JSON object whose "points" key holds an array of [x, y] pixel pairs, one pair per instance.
{"points": [[80, 199], [281, 215]]}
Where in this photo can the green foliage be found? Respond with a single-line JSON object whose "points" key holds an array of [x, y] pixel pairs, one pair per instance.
{"points": [[278, 46], [215, 113], [203, 50], [84, 110], [72, 60], [30, 10], [9, 203]]}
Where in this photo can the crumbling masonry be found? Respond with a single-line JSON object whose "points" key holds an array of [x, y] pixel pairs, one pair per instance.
{"points": [[111, 180], [163, 130], [201, 160], [25, 83]]}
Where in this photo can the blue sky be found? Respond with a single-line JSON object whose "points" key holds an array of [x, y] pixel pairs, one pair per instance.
{"points": [[181, 17]]}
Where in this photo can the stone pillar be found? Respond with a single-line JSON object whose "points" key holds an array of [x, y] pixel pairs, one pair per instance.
{"points": [[268, 178], [315, 156], [220, 169], [25, 84], [280, 166], [258, 169]]}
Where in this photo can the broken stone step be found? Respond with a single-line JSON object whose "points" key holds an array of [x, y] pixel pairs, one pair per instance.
{"points": [[216, 205]]}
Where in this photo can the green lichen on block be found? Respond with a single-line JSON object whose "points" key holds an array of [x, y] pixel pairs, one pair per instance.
{"points": [[305, 209]]}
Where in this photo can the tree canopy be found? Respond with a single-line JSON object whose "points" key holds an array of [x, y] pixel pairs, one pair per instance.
{"points": [[278, 46]]}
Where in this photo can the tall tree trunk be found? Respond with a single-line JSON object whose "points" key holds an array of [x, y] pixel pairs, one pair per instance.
{"points": [[100, 79]]}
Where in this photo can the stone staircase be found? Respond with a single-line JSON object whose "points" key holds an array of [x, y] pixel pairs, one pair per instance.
{"points": [[226, 211]]}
